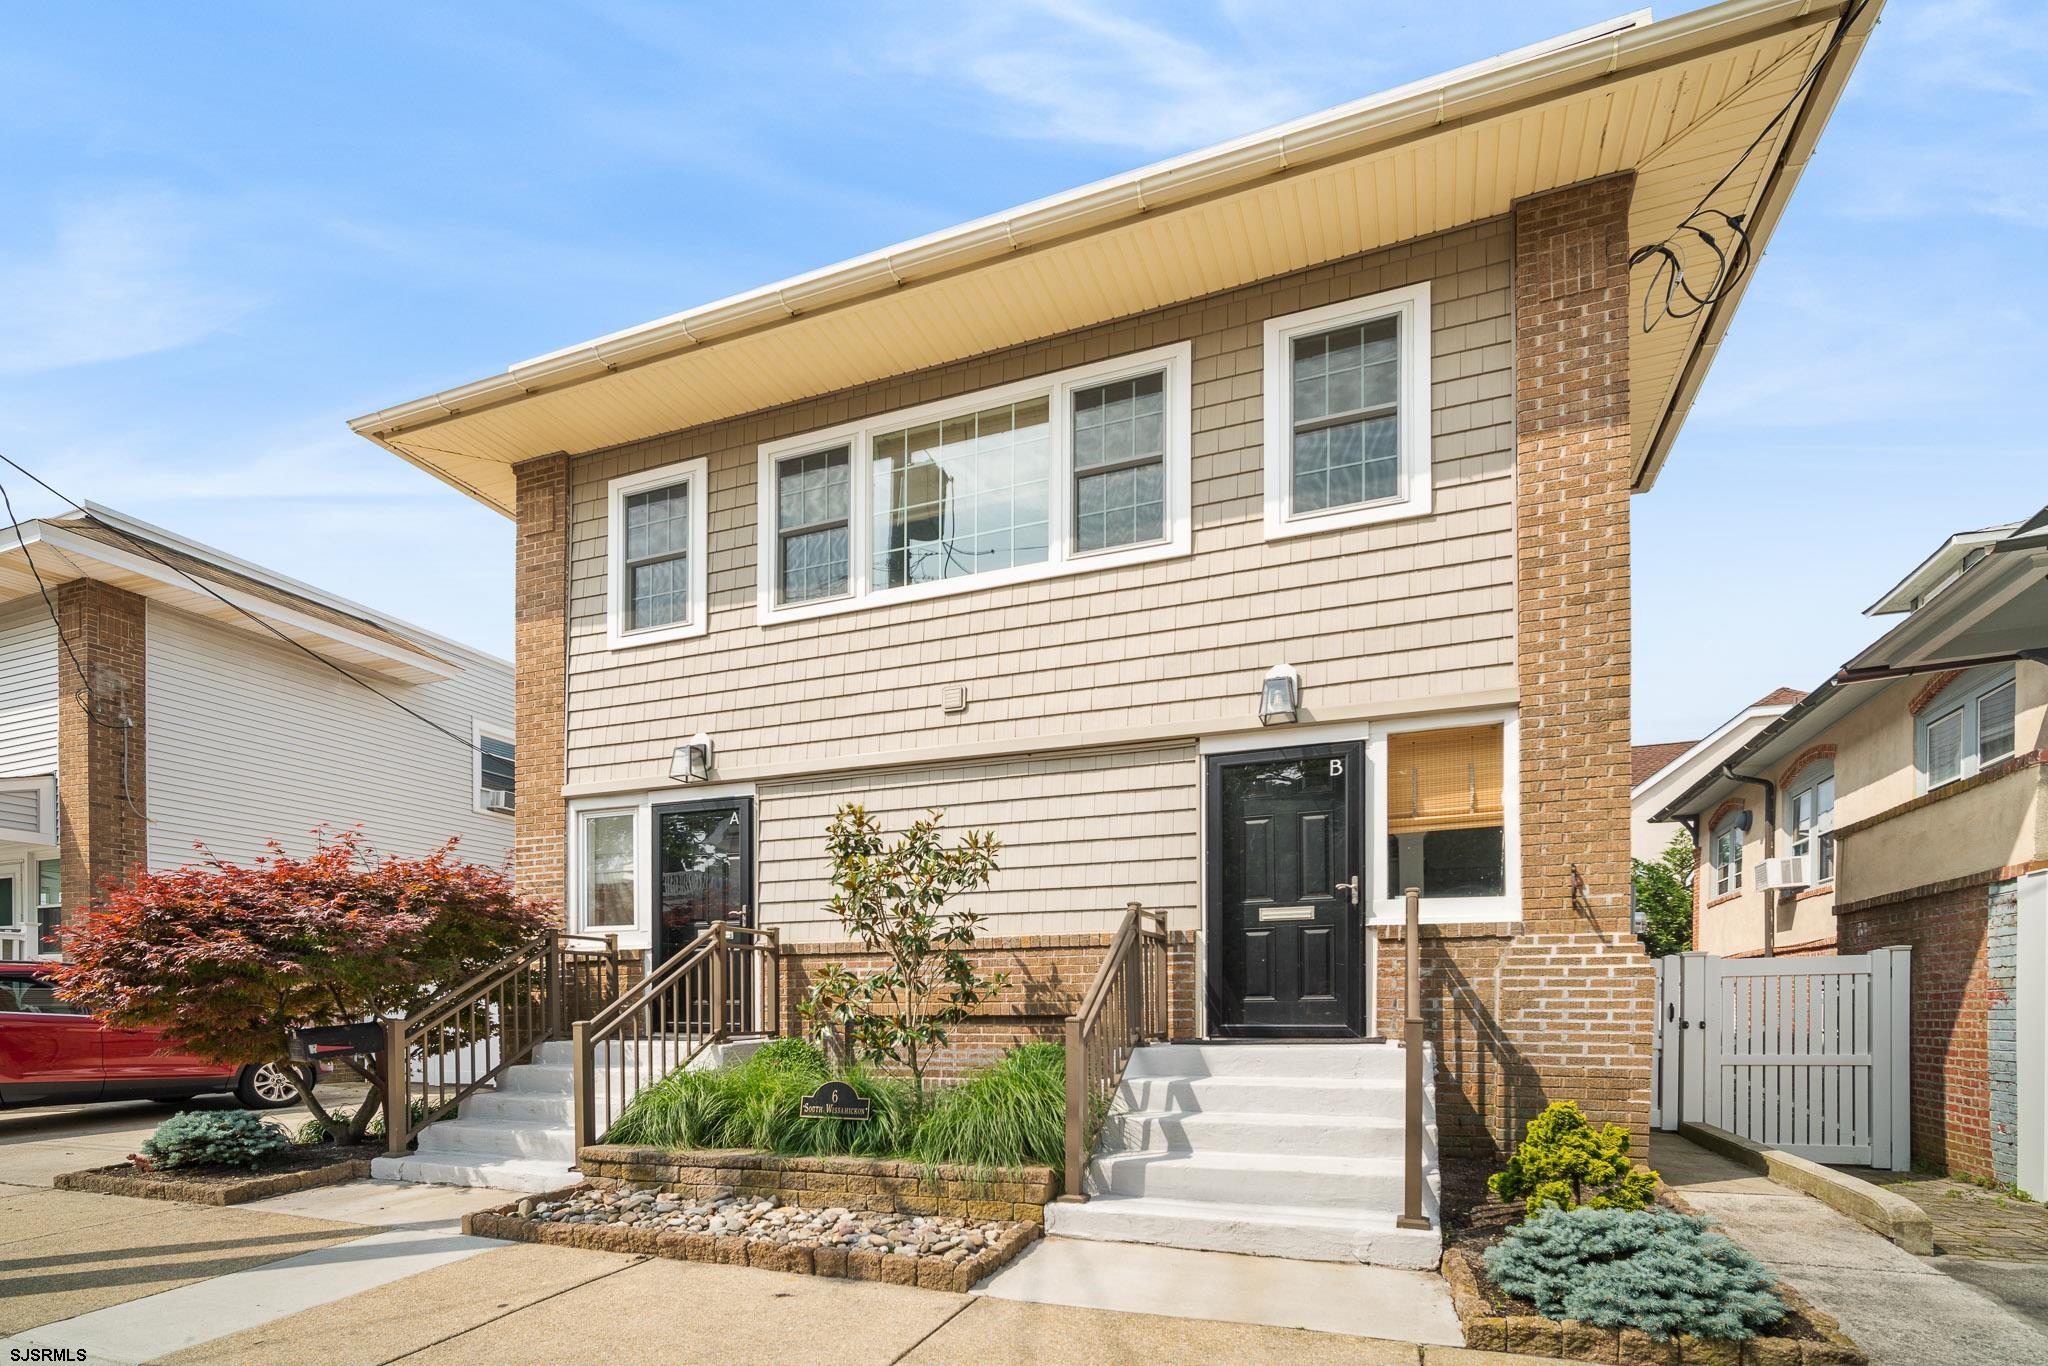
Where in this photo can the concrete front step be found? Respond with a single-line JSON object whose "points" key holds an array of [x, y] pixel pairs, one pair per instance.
{"points": [[1185, 1131], [523, 1107], [1271, 1061], [503, 1138], [1306, 1233], [1262, 1096], [491, 1170], [1348, 1183]]}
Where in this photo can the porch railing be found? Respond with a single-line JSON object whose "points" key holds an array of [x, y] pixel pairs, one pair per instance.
{"points": [[1413, 1047], [722, 986], [466, 1037], [1125, 1006]]}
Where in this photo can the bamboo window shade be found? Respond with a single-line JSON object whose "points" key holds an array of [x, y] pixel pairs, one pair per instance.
{"points": [[1444, 780]]}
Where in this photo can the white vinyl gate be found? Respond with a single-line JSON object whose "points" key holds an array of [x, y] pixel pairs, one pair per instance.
{"points": [[1811, 1055]]}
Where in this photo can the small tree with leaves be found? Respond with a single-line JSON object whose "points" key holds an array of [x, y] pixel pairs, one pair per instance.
{"points": [[892, 897], [1664, 894], [228, 959], [1566, 1161]]}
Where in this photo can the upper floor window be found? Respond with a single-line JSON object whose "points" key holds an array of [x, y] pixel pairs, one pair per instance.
{"points": [[1969, 726], [1810, 819], [655, 570], [1726, 857], [1082, 469], [1348, 413], [49, 906], [496, 770]]}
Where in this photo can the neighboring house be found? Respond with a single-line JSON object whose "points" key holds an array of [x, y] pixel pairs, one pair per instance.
{"points": [[1662, 771], [196, 699], [1903, 801], [1245, 536]]}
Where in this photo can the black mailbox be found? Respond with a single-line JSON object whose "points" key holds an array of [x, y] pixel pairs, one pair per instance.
{"points": [[332, 1041]]}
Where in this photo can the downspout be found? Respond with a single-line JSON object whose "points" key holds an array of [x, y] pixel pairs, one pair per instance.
{"points": [[1770, 848], [1691, 826]]}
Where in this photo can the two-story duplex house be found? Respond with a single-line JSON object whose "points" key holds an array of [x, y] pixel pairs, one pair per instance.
{"points": [[157, 694], [1245, 536], [1902, 802]]}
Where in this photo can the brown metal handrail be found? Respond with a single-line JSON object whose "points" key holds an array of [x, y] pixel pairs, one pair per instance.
{"points": [[1125, 1006], [467, 1036], [1412, 1045], [722, 985]]}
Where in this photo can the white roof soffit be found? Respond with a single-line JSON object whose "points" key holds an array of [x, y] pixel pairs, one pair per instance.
{"points": [[1996, 607], [1677, 102], [62, 556]]}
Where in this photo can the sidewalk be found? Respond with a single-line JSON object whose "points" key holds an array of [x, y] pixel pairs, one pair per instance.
{"points": [[1902, 1309]]}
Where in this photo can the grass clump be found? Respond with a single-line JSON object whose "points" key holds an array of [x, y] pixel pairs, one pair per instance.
{"points": [[1661, 1272], [1010, 1114]]}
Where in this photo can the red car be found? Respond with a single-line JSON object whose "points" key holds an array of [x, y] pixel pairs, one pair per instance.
{"points": [[51, 1051]]}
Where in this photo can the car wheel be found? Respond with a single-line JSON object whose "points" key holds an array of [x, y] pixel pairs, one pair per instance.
{"points": [[266, 1086]]}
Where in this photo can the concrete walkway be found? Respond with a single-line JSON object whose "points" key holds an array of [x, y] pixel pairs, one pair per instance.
{"points": [[1328, 1297], [1900, 1308]]}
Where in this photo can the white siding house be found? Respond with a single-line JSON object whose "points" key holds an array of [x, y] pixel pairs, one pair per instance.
{"points": [[242, 707]]}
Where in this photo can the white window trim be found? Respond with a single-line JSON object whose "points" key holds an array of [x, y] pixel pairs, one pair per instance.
{"points": [[693, 474], [1810, 780], [31, 877], [1453, 910], [1411, 305], [1061, 559], [1714, 852], [478, 731], [1962, 697]]}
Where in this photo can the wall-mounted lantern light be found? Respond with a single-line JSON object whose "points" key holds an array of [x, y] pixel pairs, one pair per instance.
{"points": [[1279, 696], [692, 763]]}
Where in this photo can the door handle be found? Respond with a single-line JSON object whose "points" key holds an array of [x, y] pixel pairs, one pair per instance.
{"points": [[1349, 887]]}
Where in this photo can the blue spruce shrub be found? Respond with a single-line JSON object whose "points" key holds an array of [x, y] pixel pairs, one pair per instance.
{"points": [[1650, 1269], [205, 1138]]}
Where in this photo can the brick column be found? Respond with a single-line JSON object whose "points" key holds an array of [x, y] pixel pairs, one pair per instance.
{"points": [[100, 757], [540, 664], [1576, 989]]}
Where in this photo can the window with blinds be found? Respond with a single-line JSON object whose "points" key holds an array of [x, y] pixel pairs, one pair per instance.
{"points": [[1446, 822]]}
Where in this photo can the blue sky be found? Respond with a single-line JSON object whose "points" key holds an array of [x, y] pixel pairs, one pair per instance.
{"points": [[230, 228]]}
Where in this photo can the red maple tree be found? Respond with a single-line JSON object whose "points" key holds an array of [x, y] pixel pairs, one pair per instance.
{"points": [[227, 959]]}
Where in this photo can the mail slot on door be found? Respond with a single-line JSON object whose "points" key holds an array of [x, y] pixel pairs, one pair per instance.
{"points": [[1286, 913]]}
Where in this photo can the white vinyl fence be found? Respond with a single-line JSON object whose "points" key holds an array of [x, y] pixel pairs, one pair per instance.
{"points": [[1811, 1055]]}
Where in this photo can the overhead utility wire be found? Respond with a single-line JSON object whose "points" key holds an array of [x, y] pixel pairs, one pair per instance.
{"points": [[147, 549]]}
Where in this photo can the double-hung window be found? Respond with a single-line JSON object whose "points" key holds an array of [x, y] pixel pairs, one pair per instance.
{"points": [[1727, 857], [1810, 818], [496, 770], [607, 855], [655, 561], [1083, 469], [1969, 727], [1347, 413], [49, 907]]}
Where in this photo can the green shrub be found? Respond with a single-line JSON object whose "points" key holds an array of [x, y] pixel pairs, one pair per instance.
{"points": [[334, 1129], [204, 1138], [1650, 1269], [1013, 1113], [1565, 1162]]}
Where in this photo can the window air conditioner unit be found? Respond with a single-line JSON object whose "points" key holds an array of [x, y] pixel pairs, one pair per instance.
{"points": [[1785, 874], [495, 800]]}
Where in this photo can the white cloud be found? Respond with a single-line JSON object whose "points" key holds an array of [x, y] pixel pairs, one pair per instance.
{"points": [[117, 276], [1074, 71]]}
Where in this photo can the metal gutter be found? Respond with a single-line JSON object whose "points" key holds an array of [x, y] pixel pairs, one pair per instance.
{"points": [[1589, 56]]}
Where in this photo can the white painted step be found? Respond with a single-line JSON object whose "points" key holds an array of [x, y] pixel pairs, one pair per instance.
{"points": [[1303, 1232], [1185, 1131], [1332, 1183], [543, 1142], [493, 1170], [1262, 1096], [1271, 1061], [522, 1107]]}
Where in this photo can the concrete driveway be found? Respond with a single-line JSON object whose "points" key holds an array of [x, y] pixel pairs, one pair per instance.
{"points": [[39, 1142]]}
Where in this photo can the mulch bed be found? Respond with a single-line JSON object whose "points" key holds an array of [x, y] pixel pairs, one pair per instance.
{"points": [[302, 1168], [1494, 1320], [741, 1230]]}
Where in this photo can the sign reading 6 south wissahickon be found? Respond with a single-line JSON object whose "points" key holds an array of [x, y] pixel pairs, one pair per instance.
{"points": [[835, 1100]]}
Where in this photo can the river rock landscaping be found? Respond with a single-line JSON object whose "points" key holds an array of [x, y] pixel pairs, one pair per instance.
{"points": [[938, 1252]]}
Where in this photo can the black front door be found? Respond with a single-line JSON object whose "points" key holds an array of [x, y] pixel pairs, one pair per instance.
{"points": [[1285, 924], [703, 870]]}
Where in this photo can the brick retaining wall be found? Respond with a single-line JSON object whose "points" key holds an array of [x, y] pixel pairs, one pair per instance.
{"points": [[861, 1183]]}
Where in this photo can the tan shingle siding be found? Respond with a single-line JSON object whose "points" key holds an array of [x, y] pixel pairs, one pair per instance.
{"points": [[1408, 609], [1082, 834]]}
